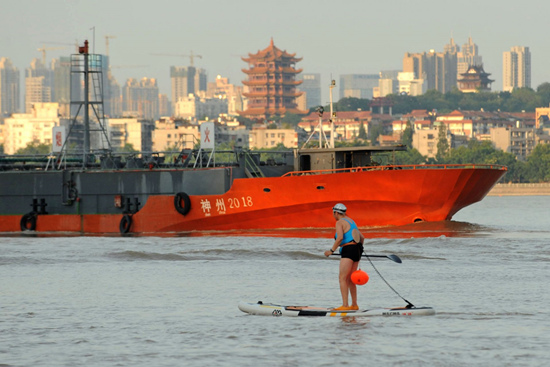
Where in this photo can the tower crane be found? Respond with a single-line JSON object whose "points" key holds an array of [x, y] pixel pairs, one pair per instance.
{"points": [[74, 45], [129, 66], [107, 38], [191, 56], [43, 49]]}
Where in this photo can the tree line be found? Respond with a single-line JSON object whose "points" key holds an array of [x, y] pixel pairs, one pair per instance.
{"points": [[521, 99], [536, 168]]}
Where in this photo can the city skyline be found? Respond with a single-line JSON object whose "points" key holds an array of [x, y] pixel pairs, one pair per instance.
{"points": [[353, 38]]}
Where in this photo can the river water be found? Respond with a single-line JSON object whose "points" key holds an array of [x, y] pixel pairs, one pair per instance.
{"points": [[151, 301]]}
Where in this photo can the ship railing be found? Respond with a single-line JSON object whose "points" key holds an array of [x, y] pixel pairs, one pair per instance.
{"points": [[396, 167]]}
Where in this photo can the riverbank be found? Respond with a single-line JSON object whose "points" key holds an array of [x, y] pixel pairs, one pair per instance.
{"points": [[520, 189]]}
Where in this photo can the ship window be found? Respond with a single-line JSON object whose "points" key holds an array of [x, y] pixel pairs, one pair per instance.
{"points": [[320, 187], [267, 189]]}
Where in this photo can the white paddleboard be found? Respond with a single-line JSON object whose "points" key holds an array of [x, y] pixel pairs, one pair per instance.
{"points": [[270, 309]]}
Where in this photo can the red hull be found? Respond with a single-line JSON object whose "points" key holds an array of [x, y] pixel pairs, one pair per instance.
{"points": [[373, 197]]}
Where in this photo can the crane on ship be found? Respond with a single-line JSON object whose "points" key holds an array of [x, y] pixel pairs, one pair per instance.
{"points": [[191, 56]]}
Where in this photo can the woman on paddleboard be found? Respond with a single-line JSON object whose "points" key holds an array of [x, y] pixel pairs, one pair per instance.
{"points": [[350, 240]]}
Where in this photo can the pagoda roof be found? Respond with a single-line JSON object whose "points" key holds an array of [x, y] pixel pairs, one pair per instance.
{"points": [[274, 94], [265, 70], [272, 82], [259, 111], [475, 69], [271, 52], [476, 72]]}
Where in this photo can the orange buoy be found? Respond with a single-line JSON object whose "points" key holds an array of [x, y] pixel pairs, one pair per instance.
{"points": [[359, 277]]}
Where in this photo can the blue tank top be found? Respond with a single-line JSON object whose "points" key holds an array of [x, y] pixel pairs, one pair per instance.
{"points": [[348, 236]]}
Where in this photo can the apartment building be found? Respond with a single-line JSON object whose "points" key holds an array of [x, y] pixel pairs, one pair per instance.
{"points": [[222, 89], [270, 138], [468, 56], [186, 80], [516, 68], [134, 131], [311, 85], [9, 88], [200, 107], [358, 85], [38, 85], [518, 140], [346, 124], [140, 98], [171, 133], [22, 129]]}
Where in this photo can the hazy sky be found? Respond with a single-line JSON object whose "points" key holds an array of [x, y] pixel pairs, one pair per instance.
{"points": [[332, 37]]}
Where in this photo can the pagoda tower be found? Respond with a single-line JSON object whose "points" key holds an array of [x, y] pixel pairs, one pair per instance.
{"points": [[475, 80], [271, 83]]}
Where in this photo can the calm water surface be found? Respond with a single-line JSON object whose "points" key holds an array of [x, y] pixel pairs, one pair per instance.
{"points": [[148, 301]]}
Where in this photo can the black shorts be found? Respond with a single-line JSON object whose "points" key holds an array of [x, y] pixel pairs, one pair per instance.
{"points": [[352, 252]]}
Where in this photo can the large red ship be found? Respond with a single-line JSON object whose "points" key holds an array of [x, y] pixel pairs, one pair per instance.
{"points": [[250, 194], [106, 194]]}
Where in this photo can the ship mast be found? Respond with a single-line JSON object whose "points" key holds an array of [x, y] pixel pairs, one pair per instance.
{"points": [[332, 115], [86, 101], [320, 110], [86, 97]]}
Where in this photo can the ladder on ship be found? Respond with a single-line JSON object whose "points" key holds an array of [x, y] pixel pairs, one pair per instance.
{"points": [[98, 102], [251, 168]]}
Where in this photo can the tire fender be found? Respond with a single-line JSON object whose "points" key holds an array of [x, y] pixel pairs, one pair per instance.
{"points": [[179, 198], [125, 224], [28, 222]]}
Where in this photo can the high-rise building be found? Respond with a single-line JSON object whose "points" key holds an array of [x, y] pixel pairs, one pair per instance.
{"points": [[469, 56], [452, 47], [9, 88], [164, 105], [222, 89], [441, 71], [388, 83], [516, 68], [407, 83], [61, 80], [437, 69], [415, 63], [38, 84], [358, 85], [116, 98], [107, 83], [311, 84], [187, 80], [141, 98], [61, 86]]}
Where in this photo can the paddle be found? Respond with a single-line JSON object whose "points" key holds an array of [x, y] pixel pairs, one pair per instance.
{"points": [[392, 257]]}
